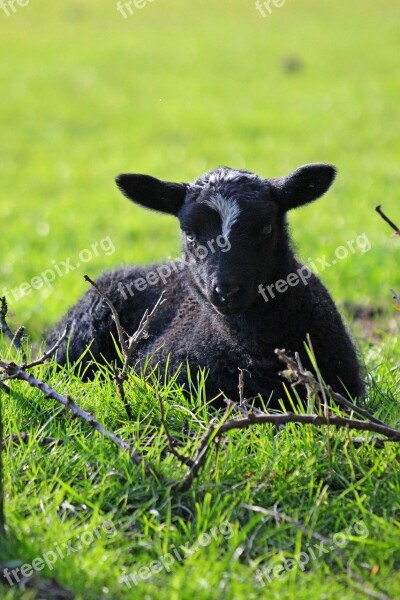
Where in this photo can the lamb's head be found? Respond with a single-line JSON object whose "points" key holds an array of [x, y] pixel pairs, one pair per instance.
{"points": [[233, 225]]}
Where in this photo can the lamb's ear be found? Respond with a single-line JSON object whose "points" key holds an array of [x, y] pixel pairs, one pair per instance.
{"points": [[303, 185], [148, 191]]}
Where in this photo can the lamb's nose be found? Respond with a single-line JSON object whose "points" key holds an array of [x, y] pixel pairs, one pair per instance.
{"points": [[226, 290]]}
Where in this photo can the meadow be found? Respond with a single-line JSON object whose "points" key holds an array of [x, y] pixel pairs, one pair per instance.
{"points": [[173, 90]]}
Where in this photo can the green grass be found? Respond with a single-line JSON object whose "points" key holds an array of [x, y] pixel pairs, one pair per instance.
{"points": [[174, 90]]}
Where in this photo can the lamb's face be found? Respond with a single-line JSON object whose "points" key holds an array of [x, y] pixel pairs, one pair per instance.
{"points": [[230, 226], [233, 225]]}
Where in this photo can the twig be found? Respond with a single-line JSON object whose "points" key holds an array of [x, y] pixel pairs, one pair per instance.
{"points": [[128, 343], [119, 382], [305, 377], [393, 435], [319, 378], [120, 330], [16, 340], [395, 296], [241, 388], [198, 461], [49, 353], [2, 516], [385, 218], [14, 371], [5, 388], [202, 451], [251, 416], [171, 442], [371, 593]]}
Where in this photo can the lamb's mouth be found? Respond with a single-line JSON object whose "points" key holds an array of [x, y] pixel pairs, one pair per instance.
{"points": [[228, 309]]}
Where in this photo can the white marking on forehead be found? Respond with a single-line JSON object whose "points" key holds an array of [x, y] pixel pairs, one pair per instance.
{"points": [[228, 210], [223, 176]]}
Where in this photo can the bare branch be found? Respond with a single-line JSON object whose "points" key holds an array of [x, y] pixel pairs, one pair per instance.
{"points": [[120, 330], [5, 388], [16, 340], [212, 432], [253, 416], [2, 516], [49, 353], [171, 442], [119, 382], [385, 218], [306, 378], [142, 331], [14, 371], [393, 435], [241, 388], [258, 418], [128, 343]]}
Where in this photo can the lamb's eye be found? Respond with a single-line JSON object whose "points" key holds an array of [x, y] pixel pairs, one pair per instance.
{"points": [[189, 237], [267, 230]]}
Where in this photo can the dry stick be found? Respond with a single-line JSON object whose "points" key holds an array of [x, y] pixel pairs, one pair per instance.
{"points": [[395, 296], [258, 417], [397, 230], [198, 461], [48, 353], [215, 431], [183, 459], [121, 392], [5, 388], [212, 432], [323, 393], [305, 377], [241, 388], [323, 540], [14, 371], [319, 378], [2, 517], [393, 435], [16, 340], [385, 218], [129, 345]]}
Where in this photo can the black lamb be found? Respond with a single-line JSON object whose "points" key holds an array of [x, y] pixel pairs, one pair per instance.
{"points": [[237, 293]]}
